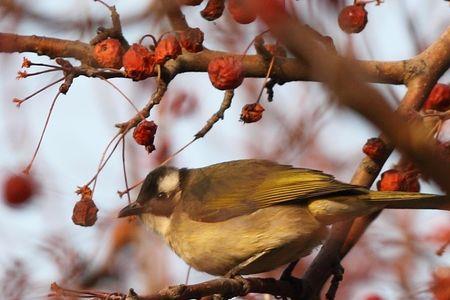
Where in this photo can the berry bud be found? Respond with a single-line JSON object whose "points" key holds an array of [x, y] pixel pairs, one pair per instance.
{"points": [[85, 210], [374, 148], [189, 2], [144, 134], [252, 113], [18, 189], [439, 98], [139, 62], [241, 11], [167, 48], [225, 73], [395, 180], [353, 18], [213, 10], [108, 53], [192, 40]]}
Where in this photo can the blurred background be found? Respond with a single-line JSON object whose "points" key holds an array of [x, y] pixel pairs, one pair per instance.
{"points": [[397, 257]]}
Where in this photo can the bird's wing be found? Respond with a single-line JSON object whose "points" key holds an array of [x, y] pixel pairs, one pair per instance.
{"points": [[219, 192]]}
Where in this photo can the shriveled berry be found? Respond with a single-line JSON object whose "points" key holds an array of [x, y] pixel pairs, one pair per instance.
{"points": [[396, 180], [18, 189], [241, 11], [439, 98], [353, 18], [108, 53], [189, 2], [144, 134], [374, 148], [138, 62], [252, 113], [85, 210], [226, 72], [213, 10], [276, 50], [192, 39], [167, 48]]}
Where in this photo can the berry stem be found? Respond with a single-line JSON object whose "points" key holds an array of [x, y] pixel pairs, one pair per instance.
{"points": [[20, 101], [103, 157], [125, 171], [28, 168], [266, 78]]}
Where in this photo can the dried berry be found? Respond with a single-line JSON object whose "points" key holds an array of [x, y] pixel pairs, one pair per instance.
{"points": [[439, 98], [18, 189], [85, 210], [396, 180], [139, 62], [252, 113], [189, 2], [276, 50], [192, 39], [353, 18], [226, 72], [440, 286], [213, 10], [167, 48], [375, 148], [108, 53], [144, 134], [241, 11]]}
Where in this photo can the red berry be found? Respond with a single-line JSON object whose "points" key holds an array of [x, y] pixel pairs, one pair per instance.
{"points": [[167, 48], [252, 113], [439, 98], [192, 39], [226, 73], [213, 10], [440, 286], [18, 189], [144, 134], [373, 297], [241, 11], [108, 53], [353, 18], [395, 180], [190, 2], [138, 62], [375, 148]]}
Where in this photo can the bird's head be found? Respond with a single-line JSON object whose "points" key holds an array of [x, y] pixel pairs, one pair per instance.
{"points": [[158, 194]]}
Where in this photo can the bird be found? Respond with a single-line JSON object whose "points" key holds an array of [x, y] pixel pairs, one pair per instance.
{"points": [[251, 216]]}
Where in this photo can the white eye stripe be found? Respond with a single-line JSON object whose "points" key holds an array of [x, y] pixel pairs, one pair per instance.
{"points": [[169, 183]]}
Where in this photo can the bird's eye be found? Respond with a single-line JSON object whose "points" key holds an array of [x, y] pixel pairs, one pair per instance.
{"points": [[162, 195]]}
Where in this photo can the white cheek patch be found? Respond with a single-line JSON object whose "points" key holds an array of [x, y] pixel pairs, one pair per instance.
{"points": [[169, 183]]}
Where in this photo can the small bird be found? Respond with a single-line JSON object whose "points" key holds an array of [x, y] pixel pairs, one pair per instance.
{"points": [[252, 216]]}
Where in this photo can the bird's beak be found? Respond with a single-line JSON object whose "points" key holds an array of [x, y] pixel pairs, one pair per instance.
{"points": [[131, 209]]}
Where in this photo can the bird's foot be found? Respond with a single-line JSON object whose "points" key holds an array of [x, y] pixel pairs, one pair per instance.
{"points": [[234, 274], [287, 276]]}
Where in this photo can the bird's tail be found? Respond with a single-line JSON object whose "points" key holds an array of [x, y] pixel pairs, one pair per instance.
{"points": [[340, 208], [408, 200]]}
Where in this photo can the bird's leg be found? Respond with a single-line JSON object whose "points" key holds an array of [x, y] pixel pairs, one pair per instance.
{"points": [[287, 276]]}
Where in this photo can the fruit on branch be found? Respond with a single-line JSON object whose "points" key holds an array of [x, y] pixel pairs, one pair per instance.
{"points": [[108, 53], [167, 48], [138, 62], [439, 98], [85, 210], [18, 189], [374, 148], [226, 72], [276, 50], [241, 11], [440, 286], [144, 134], [191, 39], [189, 2], [353, 18], [398, 180], [252, 113], [213, 10]]}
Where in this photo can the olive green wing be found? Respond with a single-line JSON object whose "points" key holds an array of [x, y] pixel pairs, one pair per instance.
{"points": [[219, 192]]}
